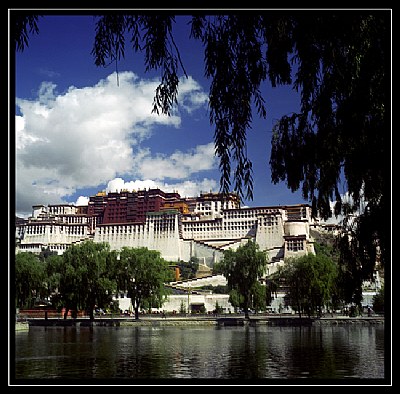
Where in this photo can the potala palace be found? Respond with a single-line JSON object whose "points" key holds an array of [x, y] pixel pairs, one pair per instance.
{"points": [[179, 228]]}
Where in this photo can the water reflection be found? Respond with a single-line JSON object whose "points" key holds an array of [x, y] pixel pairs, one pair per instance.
{"points": [[333, 352]]}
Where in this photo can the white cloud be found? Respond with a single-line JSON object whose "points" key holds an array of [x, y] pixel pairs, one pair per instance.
{"points": [[82, 201], [190, 95], [192, 188], [118, 184], [179, 165], [185, 188], [87, 136]]}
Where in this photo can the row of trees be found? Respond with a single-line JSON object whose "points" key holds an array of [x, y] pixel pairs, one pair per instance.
{"points": [[89, 274], [312, 282]]}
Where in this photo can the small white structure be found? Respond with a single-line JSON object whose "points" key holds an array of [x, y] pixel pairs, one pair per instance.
{"points": [[191, 302]]}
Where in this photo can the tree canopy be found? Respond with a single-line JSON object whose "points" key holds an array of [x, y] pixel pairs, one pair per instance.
{"points": [[141, 273], [86, 279], [338, 60], [311, 282], [189, 268], [29, 275], [87, 275], [242, 269]]}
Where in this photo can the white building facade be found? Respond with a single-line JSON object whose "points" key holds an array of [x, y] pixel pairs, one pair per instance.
{"points": [[204, 233]]}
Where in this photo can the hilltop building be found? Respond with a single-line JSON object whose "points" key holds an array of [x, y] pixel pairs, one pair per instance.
{"points": [[179, 228]]}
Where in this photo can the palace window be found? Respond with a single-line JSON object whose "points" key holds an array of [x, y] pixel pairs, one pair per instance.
{"points": [[295, 245]]}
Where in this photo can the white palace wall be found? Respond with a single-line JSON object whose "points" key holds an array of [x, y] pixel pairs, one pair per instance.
{"points": [[176, 237], [160, 232]]}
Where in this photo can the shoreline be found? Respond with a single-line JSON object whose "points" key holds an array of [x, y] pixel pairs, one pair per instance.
{"points": [[198, 321]]}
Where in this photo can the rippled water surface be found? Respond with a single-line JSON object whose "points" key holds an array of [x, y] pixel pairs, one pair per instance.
{"points": [[245, 353]]}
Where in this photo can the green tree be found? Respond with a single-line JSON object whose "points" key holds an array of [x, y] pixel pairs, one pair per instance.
{"points": [[53, 267], [45, 253], [218, 308], [311, 282], [338, 60], [142, 273], [258, 302], [188, 269], [242, 269], [327, 246], [182, 308], [86, 279], [236, 299], [29, 278], [52, 263]]}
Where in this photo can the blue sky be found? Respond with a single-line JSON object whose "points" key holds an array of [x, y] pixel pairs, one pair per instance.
{"points": [[79, 130]]}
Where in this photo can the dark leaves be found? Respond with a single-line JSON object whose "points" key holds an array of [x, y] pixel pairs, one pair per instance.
{"points": [[151, 34], [235, 64], [109, 39], [24, 24]]}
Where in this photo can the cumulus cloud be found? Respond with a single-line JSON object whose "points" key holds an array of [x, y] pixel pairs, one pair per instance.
{"points": [[118, 184], [86, 136], [192, 188], [179, 165], [185, 189], [191, 96], [82, 201]]}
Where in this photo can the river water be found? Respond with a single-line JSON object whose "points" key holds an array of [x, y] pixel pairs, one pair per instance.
{"points": [[199, 354]]}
